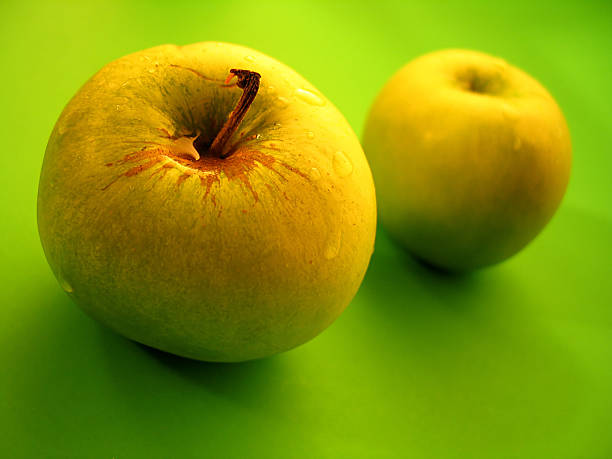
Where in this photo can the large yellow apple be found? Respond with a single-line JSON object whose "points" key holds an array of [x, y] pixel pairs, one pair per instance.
{"points": [[206, 200], [471, 157]]}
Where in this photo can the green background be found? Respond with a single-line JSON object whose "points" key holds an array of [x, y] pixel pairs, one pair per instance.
{"points": [[510, 362]]}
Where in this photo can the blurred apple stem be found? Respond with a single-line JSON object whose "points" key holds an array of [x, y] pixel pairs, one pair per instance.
{"points": [[248, 81]]}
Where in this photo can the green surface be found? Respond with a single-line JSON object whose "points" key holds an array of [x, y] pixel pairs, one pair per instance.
{"points": [[510, 362]]}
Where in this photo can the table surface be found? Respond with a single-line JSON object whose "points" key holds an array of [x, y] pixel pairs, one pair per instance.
{"points": [[514, 361]]}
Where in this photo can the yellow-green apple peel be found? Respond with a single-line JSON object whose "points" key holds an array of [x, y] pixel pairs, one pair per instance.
{"points": [[470, 155], [206, 200]]}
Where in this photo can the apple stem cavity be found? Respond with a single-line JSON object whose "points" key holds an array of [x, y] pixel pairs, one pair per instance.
{"points": [[248, 81]]}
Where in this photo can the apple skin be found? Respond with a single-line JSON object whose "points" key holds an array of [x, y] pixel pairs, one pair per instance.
{"points": [[470, 155], [216, 259]]}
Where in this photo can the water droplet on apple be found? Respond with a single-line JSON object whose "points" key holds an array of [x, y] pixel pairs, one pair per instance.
{"points": [[342, 165], [509, 112], [65, 285], [282, 101], [271, 88], [310, 135], [151, 70], [314, 174], [501, 65], [258, 136], [249, 58], [517, 143], [309, 97], [117, 107], [333, 245]]}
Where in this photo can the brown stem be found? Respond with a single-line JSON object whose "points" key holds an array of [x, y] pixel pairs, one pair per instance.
{"points": [[248, 81]]}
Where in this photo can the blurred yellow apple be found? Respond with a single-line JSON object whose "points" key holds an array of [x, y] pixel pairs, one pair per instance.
{"points": [[470, 155]]}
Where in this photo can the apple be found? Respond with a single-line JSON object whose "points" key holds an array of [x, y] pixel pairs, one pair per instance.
{"points": [[206, 200], [470, 155]]}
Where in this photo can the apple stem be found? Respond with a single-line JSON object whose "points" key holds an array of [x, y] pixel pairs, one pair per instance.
{"points": [[248, 81]]}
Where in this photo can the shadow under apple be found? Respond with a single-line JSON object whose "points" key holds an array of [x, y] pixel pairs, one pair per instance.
{"points": [[397, 275], [76, 375], [481, 359], [231, 379]]}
